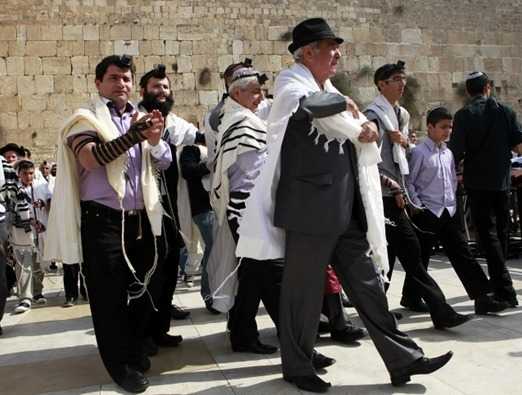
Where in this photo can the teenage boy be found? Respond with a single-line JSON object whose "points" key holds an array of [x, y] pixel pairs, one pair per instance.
{"points": [[432, 184]]}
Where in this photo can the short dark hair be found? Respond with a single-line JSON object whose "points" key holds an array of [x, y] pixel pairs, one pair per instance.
{"points": [[386, 71], [438, 114], [24, 164], [159, 72], [121, 61], [476, 86]]}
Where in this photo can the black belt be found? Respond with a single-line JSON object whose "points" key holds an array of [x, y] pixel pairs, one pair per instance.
{"points": [[108, 211]]}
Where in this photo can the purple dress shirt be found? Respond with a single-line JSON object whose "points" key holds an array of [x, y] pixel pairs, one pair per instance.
{"points": [[432, 181], [94, 184]]}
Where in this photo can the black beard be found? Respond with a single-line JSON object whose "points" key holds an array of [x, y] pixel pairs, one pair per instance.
{"points": [[150, 102]]}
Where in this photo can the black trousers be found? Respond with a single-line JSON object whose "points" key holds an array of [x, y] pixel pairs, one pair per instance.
{"points": [[119, 323], [71, 275], [3, 280], [404, 244], [166, 279], [334, 311], [490, 215], [258, 281], [447, 230], [302, 295]]}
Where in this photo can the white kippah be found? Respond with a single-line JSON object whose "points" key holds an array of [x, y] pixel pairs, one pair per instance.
{"points": [[474, 74], [243, 74]]}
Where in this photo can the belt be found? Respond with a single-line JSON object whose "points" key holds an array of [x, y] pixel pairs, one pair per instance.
{"points": [[109, 211]]}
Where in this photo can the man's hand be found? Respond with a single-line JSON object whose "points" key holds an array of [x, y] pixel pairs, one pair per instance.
{"points": [[398, 137], [352, 107], [369, 133], [155, 124]]}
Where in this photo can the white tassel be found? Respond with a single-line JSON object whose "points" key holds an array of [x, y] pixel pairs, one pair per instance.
{"points": [[316, 140], [325, 146]]}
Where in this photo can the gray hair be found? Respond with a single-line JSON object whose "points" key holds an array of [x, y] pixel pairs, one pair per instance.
{"points": [[242, 84], [299, 52]]}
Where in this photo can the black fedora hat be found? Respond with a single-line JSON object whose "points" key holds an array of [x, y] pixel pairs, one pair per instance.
{"points": [[311, 30], [12, 147]]}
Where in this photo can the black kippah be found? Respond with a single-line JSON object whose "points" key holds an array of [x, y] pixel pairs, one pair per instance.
{"points": [[386, 71], [159, 72]]}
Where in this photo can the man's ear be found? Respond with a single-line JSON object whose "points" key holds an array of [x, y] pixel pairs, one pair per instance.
{"points": [[142, 92]]}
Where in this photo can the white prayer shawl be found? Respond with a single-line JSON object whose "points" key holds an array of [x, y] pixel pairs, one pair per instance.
{"points": [[259, 238], [240, 131], [384, 110], [63, 236]]}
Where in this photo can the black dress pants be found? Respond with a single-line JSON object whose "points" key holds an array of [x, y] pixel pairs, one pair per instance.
{"points": [[166, 279], [258, 281], [3, 281], [71, 275], [404, 244], [119, 322], [490, 215], [447, 230]]}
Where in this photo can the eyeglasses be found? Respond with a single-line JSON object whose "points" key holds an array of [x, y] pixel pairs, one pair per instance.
{"points": [[397, 79]]}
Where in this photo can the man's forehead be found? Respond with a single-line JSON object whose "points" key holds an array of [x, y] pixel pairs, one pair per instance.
{"points": [[329, 42], [158, 81], [115, 70]]}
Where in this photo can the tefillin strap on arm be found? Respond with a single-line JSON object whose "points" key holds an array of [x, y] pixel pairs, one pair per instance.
{"points": [[105, 153]]}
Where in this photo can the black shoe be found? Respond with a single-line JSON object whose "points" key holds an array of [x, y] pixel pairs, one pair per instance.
{"points": [[420, 366], [324, 327], [311, 383], [177, 313], [133, 381], [486, 304], [256, 348], [451, 321], [142, 365], [211, 310], [53, 267], [149, 347], [398, 316], [69, 302], [511, 301], [417, 306], [348, 335], [1, 331], [165, 340], [320, 361]]}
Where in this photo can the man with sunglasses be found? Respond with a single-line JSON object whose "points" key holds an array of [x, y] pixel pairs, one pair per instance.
{"points": [[392, 122]]}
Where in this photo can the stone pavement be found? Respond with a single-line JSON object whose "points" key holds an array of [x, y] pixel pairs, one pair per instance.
{"points": [[52, 350]]}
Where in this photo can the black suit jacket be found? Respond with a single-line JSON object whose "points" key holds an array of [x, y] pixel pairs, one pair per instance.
{"points": [[318, 191]]}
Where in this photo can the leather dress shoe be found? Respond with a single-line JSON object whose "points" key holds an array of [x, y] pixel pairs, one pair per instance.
{"points": [[420, 366], [142, 365], [451, 321], [417, 306], [320, 361], [349, 334], [177, 313], [511, 300], [166, 340], [256, 348], [133, 381], [311, 383], [486, 304], [324, 327]]}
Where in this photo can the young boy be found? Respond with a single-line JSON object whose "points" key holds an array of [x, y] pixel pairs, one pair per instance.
{"points": [[26, 236], [432, 184]]}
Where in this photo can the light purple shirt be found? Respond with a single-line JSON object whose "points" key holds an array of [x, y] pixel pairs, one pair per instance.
{"points": [[94, 185], [432, 181]]}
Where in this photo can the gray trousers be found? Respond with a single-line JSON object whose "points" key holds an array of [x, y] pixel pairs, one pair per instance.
{"points": [[302, 295], [29, 274]]}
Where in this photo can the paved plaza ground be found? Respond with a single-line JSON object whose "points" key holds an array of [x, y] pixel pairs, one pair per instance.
{"points": [[52, 350]]}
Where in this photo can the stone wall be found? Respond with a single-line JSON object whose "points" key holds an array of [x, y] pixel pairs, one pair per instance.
{"points": [[49, 48]]}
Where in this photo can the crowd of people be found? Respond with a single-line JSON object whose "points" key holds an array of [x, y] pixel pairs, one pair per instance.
{"points": [[298, 199]]}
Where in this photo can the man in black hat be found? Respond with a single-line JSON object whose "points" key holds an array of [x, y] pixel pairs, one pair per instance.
{"points": [[484, 134], [319, 215]]}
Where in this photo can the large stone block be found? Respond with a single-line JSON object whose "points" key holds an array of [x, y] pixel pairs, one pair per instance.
{"points": [[30, 120], [63, 84], [171, 47], [121, 32], [151, 32], [57, 66], [79, 84], [8, 120], [208, 98], [128, 47], [92, 48], [50, 32], [411, 36], [168, 32], [25, 85], [8, 84], [70, 48], [91, 32], [44, 84], [41, 48], [73, 32], [9, 104], [80, 64], [184, 64], [186, 98], [16, 48], [15, 65], [276, 33], [4, 48], [3, 67], [7, 32], [34, 103]]}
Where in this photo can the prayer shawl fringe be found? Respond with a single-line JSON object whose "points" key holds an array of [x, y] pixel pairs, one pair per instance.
{"points": [[259, 238], [63, 236]]}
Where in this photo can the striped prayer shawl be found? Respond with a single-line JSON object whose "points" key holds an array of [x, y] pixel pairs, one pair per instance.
{"points": [[239, 131]]}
